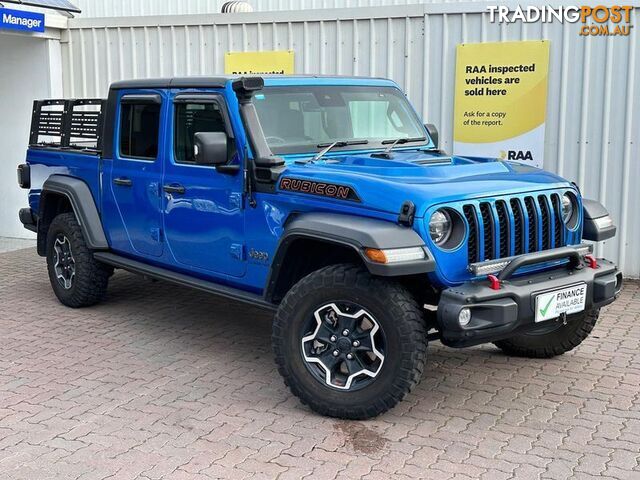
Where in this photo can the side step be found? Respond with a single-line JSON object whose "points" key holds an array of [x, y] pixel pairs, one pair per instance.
{"points": [[181, 279]]}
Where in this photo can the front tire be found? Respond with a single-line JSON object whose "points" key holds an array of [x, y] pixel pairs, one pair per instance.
{"points": [[348, 344], [77, 279], [550, 343]]}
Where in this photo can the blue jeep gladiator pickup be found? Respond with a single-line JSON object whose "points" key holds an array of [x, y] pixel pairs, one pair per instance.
{"points": [[326, 200]]}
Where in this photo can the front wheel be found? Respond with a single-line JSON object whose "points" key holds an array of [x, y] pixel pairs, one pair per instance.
{"points": [[553, 339], [348, 344]]}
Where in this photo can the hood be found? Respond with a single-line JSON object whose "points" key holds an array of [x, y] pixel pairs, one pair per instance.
{"points": [[424, 177]]}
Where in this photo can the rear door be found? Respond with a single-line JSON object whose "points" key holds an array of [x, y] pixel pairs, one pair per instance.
{"points": [[136, 173], [203, 212]]}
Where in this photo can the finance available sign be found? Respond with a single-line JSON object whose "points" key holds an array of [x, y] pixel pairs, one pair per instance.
{"points": [[20, 20], [500, 100]]}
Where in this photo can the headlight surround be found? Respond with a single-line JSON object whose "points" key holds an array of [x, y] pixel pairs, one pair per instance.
{"points": [[440, 227], [447, 228], [569, 209]]}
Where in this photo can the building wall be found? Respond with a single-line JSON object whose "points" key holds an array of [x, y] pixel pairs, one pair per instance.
{"points": [[121, 8], [28, 68], [593, 110]]}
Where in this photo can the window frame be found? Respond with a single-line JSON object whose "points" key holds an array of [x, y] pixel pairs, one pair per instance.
{"points": [[199, 98], [139, 99]]}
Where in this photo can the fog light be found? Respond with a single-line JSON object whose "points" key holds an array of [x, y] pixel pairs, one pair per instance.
{"points": [[464, 317]]}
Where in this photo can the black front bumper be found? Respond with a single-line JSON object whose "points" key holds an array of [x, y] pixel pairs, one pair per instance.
{"points": [[503, 313]]}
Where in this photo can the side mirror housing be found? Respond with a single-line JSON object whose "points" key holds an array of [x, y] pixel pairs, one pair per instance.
{"points": [[210, 148], [433, 133]]}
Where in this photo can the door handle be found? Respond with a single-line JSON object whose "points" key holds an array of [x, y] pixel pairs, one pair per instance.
{"points": [[174, 188], [123, 182]]}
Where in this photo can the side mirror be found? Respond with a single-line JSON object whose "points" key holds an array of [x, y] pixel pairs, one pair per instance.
{"points": [[433, 133], [210, 148]]}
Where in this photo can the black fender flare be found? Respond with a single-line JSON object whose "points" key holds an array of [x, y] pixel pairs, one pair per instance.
{"points": [[356, 233], [83, 205], [594, 213]]}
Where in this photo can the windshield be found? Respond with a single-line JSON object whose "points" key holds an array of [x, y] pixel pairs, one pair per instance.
{"points": [[305, 119]]}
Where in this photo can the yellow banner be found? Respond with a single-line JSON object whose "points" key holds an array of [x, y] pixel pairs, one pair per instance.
{"points": [[500, 100], [263, 63]]}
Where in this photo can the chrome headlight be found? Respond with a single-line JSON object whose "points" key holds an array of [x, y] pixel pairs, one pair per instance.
{"points": [[440, 227], [568, 208]]}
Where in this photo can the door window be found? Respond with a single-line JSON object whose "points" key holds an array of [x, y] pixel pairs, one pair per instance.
{"points": [[192, 118], [139, 128]]}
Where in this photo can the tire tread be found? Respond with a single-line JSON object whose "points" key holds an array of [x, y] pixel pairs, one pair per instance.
{"points": [[91, 278], [558, 342], [412, 332]]}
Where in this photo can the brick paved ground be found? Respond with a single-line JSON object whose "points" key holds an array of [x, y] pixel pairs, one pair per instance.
{"points": [[163, 382]]}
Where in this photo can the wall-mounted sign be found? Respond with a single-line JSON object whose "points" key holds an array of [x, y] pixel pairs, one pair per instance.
{"points": [[501, 100], [21, 20], [262, 63]]}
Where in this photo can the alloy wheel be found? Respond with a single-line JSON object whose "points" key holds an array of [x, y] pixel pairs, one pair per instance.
{"points": [[65, 264], [343, 346]]}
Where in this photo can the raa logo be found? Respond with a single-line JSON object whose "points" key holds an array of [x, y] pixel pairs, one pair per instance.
{"points": [[516, 155]]}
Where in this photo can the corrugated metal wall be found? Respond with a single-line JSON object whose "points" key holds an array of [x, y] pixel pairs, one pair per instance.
{"points": [[120, 8], [593, 111]]}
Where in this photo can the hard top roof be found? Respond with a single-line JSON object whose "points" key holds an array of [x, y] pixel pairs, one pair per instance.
{"points": [[270, 80]]}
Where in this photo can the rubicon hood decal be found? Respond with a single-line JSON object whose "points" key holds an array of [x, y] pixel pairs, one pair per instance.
{"points": [[333, 190]]}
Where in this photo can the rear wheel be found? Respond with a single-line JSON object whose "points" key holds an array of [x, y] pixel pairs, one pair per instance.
{"points": [[553, 339], [77, 279], [347, 344]]}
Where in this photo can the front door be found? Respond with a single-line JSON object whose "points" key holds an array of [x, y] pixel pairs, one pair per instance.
{"points": [[135, 174], [203, 216]]}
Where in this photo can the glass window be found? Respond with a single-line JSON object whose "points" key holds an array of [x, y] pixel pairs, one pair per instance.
{"points": [[298, 119], [192, 118], [139, 127]]}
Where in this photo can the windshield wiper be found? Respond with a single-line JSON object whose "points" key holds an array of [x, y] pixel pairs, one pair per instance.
{"points": [[328, 146], [337, 143], [400, 141]]}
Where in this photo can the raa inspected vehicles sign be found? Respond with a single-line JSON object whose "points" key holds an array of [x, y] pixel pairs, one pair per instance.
{"points": [[501, 99], [20, 20], [276, 62]]}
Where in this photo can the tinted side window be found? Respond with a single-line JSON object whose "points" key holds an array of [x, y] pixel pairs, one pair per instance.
{"points": [[139, 127], [192, 118]]}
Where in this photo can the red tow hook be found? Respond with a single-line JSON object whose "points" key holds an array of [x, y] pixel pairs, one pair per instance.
{"points": [[593, 263], [494, 282]]}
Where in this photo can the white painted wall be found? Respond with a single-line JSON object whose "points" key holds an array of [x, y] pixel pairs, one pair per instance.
{"points": [[30, 68], [134, 8]]}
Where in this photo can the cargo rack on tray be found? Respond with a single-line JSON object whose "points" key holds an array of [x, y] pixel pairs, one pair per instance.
{"points": [[74, 124]]}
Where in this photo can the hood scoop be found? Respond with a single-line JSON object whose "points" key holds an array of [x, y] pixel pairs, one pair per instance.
{"points": [[434, 160]]}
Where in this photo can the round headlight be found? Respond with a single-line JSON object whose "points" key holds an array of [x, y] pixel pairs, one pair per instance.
{"points": [[567, 208], [440, 227]]}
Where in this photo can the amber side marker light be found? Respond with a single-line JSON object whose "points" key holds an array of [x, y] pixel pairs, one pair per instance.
{"points": [[395, 255]]}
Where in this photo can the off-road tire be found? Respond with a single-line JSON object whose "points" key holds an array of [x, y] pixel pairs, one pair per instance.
{"points": [[89, 284], [398, 315], [556, 342]]}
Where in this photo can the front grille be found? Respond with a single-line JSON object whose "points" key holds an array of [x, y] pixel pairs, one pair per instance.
{"points": [[487, 229], [546, 223], [472, 243], [513, 226], [558, 225], [505, 231], [518, 226]]}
